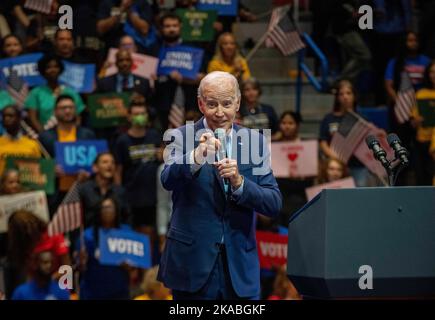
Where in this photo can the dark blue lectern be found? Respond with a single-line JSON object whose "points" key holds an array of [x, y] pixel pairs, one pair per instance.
{"points": [[391, 230]]}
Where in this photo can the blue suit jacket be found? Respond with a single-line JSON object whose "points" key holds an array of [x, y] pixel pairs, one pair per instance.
{"points": [[202, 215]]}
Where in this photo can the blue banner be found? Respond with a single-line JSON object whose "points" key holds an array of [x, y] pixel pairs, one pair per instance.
{"points": [[119, 246], [26, 67], [79, 155], [79, 77], [223, 7], [184, 59]]}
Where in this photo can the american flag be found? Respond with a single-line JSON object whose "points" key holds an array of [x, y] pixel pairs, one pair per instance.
{"points": [[43, 6], [282, 32], [351, 131], [405, 99], [17, 88], [177, 112], [68, 216]]}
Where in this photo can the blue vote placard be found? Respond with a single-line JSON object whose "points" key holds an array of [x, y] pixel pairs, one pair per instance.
{"points": [[26, 66], [223, 7], [79, 77], [184, 59], [79, 155], [119, 246]]}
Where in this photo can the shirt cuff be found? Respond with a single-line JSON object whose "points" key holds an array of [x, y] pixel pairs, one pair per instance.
{"points": [[239, 191], [194, 167]]}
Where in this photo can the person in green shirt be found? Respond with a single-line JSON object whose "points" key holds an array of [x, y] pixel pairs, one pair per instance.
{"points": [[5, 99], [41, 100]]}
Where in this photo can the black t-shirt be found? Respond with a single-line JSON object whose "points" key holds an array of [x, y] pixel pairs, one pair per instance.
{"points": [[107, 8], [138, 159], [262, 117]]}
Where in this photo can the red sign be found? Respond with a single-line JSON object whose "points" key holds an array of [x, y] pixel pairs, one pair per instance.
{"points": [[272, 249]]}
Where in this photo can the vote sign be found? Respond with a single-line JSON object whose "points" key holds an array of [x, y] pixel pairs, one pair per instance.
{"points": [[79, 155], [118, 246], [272, 249]]}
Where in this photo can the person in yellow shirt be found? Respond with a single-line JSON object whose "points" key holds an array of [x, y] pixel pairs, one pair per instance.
{"points": [[424, 162], [152, 288], [13, 143], [228, 58]]}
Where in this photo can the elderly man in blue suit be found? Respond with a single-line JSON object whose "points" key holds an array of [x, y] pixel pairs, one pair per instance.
{"points": [[210, 251]]}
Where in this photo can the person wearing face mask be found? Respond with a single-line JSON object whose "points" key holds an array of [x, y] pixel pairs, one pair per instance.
{"points": [[137, 157]]}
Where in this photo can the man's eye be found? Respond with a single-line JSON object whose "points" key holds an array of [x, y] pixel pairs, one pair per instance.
{"points": [[212, 104], [227, 103]]}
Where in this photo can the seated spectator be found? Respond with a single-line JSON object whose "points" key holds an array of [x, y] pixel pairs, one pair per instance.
{"points": [[64, 47], [41, 286], [345, 101], [98, 281], [41, 100], [117, 17], [283, 288], [13, 143], [293, 188], [11, 46], [332, 170], [256, 115], [424, 166], [100, 185], [152, 288], [124, 80], [66, 130], [227, 58], [10, 182], [28, 234], [289, 125], [136, 154]]}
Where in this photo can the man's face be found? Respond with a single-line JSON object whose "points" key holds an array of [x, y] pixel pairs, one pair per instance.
{"points": [[65, 111], [219, 104], [64, 43], [171, 30], [105, 166], [11, 121], [124, 62]]}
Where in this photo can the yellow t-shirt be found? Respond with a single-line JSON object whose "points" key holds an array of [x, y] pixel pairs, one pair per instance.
{"points": [[146, 296], [22, 147], [67, 181], [219, 65], [424, 134]]}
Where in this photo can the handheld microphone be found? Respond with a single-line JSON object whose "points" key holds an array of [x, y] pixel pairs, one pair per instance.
{"points": [[378, 152], [220, 134], [400, 152]]}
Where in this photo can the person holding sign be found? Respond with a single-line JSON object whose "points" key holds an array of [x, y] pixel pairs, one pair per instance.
{"points": [[210, 251], [424, 166], [332, 170], [13, 143], [41, 100], [100, 281], [227, 58]]}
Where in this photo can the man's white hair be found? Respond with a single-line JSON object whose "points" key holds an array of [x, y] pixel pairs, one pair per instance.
{"points": [[213, 77]]}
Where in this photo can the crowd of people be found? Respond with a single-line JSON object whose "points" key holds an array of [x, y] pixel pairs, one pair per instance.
{"points": [[124, 190]]}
